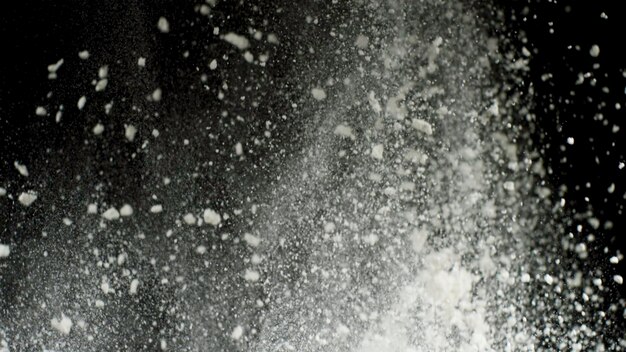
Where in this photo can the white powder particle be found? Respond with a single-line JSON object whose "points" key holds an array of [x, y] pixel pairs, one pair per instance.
{"points": [[422, 126], [164, 25], [361, 41], [344, 131], [98, 129], [213, 64], [211, 217], [248, 56], [129, 132], [27, 198], [5, 250], [237, 333], [329, 227], [133, 287], [237, 40], [377, 151], [570, 140], [111, 214], [318, 93], [141, 62], [251, 240], [101, 85], [126, 210], [54, 67], [594, 51], [83, 55], [63, 325], [41, 111], [525, 278], [548, 279], [156, 208], [81, 102], [201, 250], [509, 186], [21, 168], [272, 38], [618, 279], [92, 208], [251, 275], [189, 219], [157, 95], [238, 149], [3, 191], [103, 72]]}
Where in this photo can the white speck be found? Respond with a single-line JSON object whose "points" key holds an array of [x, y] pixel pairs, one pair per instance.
{"points": [[141, 62], [4, 250], [83, 55], [41, 111], [129, 132], [318, 93], [63, 325], [272, 38], [3, 192], [238, 149], [525, 278], [67, 221], [101, 85], [237, 40], [361, 41], [133, 287], [237, 333], [163, 344], [618, 279], [377, 151], [621, 165], [509, 186], [156, 208], [422, 126], [329, 227], [213, 64], [81, 102], [201, 250], [211, 217], [248, 56], [27, 198], [98, 129], [164, 25], [611, 188], [570, 140], [103, 72], [111, 214], [58, 116], [157, 95], [189, 219], [594, 51], [54, 67], [374, 103], [548, 279], [99, 303], [21, 168], [251, 275], [126, 210], [614, 260], [344, 131], [251, 240]]}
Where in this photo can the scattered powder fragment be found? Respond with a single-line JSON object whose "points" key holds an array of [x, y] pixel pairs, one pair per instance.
{"points": [[422, 126], [129, 132], [103, 72], [361, 41], [611, 188], [570, 140], [213, 64], [617, 278], [329, 227], [63, 325], [525, 278], [102, 84], [189, 219], [126, 210], [237, 40], [92, 208], [59, 114], [22, 169], [111, 214], [98, 129], [3, 192], [344, 131], [377, 151], [548, 279], [251, 240], [41, 111], [594, 51], [272, 38], [54, 67], [81, 102], [157, 94], [67, 221], [237, 332], [509, 186], [374, 103], [211, 217], [318, 93], [164, 25], [251, 275], [141, 62], [4, 250], [156, 208], [83, 55], [238, 149], [201, 250], [163, 345], [27, 198], [133, 287], [248, 56]]}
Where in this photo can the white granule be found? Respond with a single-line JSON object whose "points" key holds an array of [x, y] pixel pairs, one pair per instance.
{"points": [[237, 333], [21, 168], [201, 250], [83, 55], [54, 67], [156, 208], [92, 208], [103, 72], [377, 151], [111, 214], [133, 287], [251, 275], [81, 102], [189, 219], [361, 41], [618, 279], [422, 126], [248, 56], [157, 94], [344, 130], [239, 41], [126, 210], [548, 279], [129, 132], [27, 198], [141, 62], [329, 227], [3, 192], [213, 64], [5, 250], [251, 240], [98, 129], [63, 325], [272, 38], [101, 85], [509, 186], [238, 149], [318, 93], [211, 217], [594, 51], [525, 278], [163, 25], [41, 111]]}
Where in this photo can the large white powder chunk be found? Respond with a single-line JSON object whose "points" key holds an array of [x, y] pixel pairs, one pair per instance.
{"points": [[27, 198], [211, 217], [237, 40], [251, 275], [126, 210], [156, 208], [63, 325], [189, 219], [111, 214], [129, 132], [163, 25], [81, 102], [22, 169], [422, 126], [377, 151], [133, 287], [237, 332], [5, 250], [251, 240], [318, 94]]}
